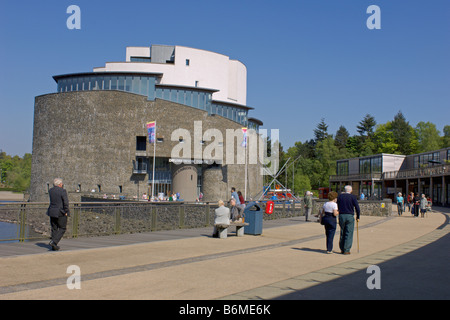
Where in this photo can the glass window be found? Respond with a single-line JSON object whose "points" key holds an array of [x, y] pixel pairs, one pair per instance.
{"points": [[195, 99], [376, 165], [128, 83], [94, 83], [151, 88], [201, 101], [106, 83], [364, 166], [113, 83], [181, 96], [188, 99], [159, 93], [144, 86], [134, 84], [342, 168], [166, 94], [100, 83], [121, 85]]}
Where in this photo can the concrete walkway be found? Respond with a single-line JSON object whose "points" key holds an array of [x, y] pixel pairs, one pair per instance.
{"points": [[287, 261]]}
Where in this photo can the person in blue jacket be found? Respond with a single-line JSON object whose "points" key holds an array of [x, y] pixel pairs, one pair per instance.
{"points": [[347, 205]]}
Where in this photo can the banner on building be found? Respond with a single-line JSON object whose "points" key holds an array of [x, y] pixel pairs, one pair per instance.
{"points": [[151, 128], [244, 140]]}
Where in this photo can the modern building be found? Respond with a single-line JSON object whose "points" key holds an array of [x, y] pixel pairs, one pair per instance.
{"points": [[93, 131], [384, 175]]}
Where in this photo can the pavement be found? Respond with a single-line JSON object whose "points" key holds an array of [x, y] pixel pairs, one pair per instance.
{"points": [[287, 262]]}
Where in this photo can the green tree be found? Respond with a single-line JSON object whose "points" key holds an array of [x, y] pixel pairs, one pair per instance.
{"points": [[366, 126], [325, 162], [321, 131], [16, 171], [446, 137], [404, 135], [341, 137], [384, 139], [428, 136]]}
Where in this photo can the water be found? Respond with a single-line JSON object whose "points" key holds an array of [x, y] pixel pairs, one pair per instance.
{"points": [[8, 231]]}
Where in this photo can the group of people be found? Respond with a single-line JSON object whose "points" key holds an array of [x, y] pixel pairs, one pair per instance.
{"points": [[340, 207], [224, 215], [414, 203]]}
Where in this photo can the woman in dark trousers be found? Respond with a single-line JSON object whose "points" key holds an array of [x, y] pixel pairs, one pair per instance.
{"points": [[416, 205], [330, 212]]}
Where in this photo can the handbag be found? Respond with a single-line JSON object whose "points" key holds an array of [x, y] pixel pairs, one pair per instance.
{"points": [[321, 214]]}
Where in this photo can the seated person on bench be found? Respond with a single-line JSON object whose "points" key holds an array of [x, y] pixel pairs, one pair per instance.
{"points": [[236, 211], [221, 216]]}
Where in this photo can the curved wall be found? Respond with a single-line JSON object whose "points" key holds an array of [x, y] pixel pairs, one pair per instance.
{"points": [[89, 138]]}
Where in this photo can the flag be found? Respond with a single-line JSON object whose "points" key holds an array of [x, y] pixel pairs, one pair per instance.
{"points": [[151, 128], [244, 140]]}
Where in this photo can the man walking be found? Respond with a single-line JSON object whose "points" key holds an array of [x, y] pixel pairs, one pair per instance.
{"points": [[235, 195], [347, 204], [58, 211]]}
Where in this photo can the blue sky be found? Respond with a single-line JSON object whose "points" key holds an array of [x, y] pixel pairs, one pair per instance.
{"points": [[306, 59]]}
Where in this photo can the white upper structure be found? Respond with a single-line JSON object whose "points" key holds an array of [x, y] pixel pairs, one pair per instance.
{"points": [[183, 66]]}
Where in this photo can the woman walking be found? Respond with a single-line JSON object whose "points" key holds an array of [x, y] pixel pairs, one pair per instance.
{"points": [[329, 214], [400, 203]]}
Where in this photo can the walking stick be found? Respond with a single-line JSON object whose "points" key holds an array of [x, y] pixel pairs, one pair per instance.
{"points": [[357, 233]]}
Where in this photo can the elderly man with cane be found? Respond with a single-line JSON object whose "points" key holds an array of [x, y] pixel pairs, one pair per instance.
{"points": [[347, 204]]}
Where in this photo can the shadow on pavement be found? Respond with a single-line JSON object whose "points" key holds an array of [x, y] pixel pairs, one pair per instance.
{"points": [[421, 274]]}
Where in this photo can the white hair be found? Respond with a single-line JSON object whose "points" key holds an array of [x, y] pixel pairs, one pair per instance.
{"points": [[348, 189], [57, 181]]}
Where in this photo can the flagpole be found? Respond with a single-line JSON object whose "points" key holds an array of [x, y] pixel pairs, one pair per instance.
{"points": [[245, 141], [245, 184], [153, 175]]}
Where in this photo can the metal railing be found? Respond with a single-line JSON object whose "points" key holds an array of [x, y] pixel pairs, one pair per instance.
{"points": [[356, 177], [100, 218], [425, 172]]}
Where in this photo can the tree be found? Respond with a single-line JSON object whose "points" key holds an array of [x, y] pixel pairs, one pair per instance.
{"points": [[404, 135], [384, 139], [446, 137], [341, 138], [16, 171], [325, 162], [428, 136], [366, 126], [321, 131]]}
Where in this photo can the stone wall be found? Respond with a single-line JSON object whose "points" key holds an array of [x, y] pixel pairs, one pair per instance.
{"points": [[88, 138], [367, 207]]}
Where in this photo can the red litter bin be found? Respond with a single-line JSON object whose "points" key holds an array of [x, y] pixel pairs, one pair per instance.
{"points": [[269, 207]]}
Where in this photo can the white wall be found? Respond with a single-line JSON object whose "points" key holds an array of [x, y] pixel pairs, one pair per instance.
{"points": [[392, 162], [211, 70], [137, 52]]}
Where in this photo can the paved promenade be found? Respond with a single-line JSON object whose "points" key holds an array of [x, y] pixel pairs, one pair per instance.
{"points": [[288, 261]]}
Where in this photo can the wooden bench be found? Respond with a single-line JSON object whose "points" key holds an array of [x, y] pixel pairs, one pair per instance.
{"points": [[222, 229]]}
